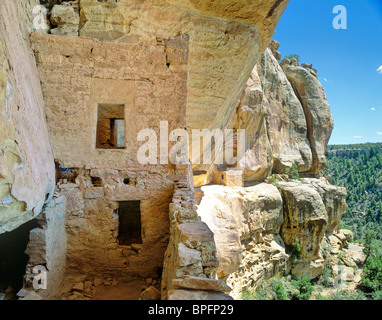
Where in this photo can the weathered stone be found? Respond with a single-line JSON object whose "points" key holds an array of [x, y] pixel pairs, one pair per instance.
{"points": [[334, 199], [287, 128], [188, 256], [97, 282], [251, 116], [198, 231], [317, 112], [66, 20], [151, 293], [78, 287], [304, 224], [347, 233], [190, 282], [197, 295], [238, 218], [94, 193], [27, 174]]}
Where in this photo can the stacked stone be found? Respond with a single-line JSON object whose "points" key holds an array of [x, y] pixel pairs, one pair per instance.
{"points": [[190, 261]]}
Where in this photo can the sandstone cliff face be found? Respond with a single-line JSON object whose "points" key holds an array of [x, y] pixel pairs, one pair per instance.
{"points": [[257, 229], [319, 120], [286, 117], [26, 161], [263, 231]]}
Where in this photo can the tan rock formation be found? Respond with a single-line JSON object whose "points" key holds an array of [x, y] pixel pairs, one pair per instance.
{"points": [[65, 19], [334, 199], [27, 175], [317, 112], [286, 118], [246, 223], [263, 231], [303, 228], [251, 115], [287, 129]]}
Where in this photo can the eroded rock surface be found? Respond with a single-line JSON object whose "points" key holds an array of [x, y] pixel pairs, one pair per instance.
{"points": [[264, 230], [27, 175]]}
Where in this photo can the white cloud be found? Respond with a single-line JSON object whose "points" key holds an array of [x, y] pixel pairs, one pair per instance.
{"points": [[379, 70], [326, 80], [379, 133], [357, 137], [372, 109]]}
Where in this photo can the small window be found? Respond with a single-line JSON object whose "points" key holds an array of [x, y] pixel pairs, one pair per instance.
{"points": [[129, 231], [96, 182], [110, 127]]}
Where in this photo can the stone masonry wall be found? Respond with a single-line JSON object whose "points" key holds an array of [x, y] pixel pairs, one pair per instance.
{"points": [[190, 261], [47, 250], [77, 75]]}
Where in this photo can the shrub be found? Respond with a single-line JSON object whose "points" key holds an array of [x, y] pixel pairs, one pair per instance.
{"points": [[377, 295], [325, 278], [278, 291], [293, 56], [296, 250], [372, 273], [246, 295], [304, 288], [293, 172]]}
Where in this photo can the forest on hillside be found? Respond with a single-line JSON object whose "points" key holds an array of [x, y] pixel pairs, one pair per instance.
{"points": [[358, 168]]}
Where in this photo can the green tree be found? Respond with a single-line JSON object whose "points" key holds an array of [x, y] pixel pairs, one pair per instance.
{"points": [[304, 288], [372, 273]]}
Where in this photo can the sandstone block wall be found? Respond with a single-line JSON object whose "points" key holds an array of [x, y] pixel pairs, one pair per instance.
{"points": [[190, 260], [224, 44], [47, 249], [150, 81]]}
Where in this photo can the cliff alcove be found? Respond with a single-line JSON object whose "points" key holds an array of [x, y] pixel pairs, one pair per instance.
{"points": [[75, 95]]}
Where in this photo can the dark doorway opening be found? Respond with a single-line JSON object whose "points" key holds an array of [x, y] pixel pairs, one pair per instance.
{"points": [[13, 258], [130, 227]]}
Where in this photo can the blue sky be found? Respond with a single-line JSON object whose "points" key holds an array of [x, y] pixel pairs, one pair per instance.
{"points": [[347, 61]]}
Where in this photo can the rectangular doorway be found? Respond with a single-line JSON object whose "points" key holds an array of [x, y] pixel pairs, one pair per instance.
{"points": [[130, 228]]}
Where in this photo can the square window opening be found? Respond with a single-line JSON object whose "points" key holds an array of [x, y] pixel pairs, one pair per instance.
{"points": [[110, 126], [96, 181]]}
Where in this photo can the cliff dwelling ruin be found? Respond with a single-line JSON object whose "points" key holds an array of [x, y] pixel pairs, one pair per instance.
{"points": [[77, 203]]}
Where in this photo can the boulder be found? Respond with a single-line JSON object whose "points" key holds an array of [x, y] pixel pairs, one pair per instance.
{"points": [[181, 294], [66, 19], [151, 293], [198, 283], [304, 227]]}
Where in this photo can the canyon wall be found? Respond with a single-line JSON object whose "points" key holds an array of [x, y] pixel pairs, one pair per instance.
{"points": [[280, 224], [27, 175]]}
